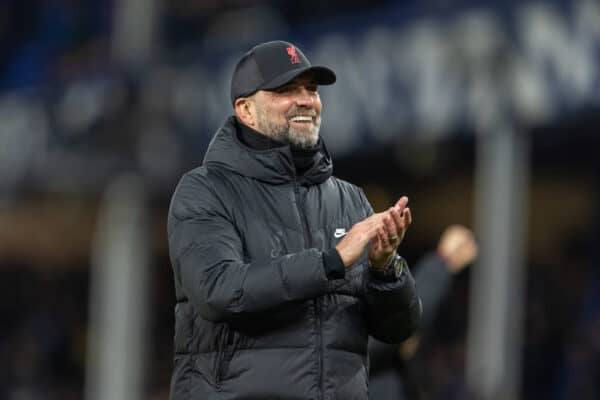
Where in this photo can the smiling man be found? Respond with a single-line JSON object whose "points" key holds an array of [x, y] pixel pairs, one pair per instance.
{"points": [[282, 271]]}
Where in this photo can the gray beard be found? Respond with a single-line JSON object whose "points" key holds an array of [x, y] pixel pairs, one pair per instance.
{"points": [[284, 133]]}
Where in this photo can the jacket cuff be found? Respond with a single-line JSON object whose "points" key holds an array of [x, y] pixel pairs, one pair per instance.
{"points": [[392, 271], [333, 264]]}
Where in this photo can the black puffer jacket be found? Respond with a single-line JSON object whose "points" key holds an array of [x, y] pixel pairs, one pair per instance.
{"points": [[256, 316]]}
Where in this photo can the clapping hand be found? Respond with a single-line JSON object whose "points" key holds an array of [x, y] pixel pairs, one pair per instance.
{"points": [[389, 236], [384, 230]]}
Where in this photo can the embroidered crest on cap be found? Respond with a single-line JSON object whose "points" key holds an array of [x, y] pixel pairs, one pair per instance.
{"points": [[294, 59]]}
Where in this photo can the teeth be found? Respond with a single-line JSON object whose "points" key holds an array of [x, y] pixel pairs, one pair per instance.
{"points": [[301, 118]]}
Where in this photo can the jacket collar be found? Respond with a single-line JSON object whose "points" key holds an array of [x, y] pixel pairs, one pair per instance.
{"points": [[274, 166]]}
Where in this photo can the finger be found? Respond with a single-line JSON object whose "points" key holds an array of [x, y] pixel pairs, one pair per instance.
{"points": [[401, 203], [383, 237], [407, 216], [376, 244], [390, 228], [388, 245], [400, 228], [398, 220]]}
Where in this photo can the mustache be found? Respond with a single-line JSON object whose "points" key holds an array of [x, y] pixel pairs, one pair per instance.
{"points": [[301, 112]]}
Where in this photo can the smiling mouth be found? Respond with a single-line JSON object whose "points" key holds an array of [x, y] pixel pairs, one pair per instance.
{"points": [[302, 119]]}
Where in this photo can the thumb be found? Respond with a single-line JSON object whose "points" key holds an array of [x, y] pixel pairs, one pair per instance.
{"points": [[401, 203]]}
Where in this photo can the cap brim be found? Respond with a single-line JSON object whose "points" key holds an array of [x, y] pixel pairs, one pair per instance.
{"points": [[323, 76]]}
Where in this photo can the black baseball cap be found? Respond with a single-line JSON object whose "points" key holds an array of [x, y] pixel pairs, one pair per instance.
{"points": [[273, 64]]}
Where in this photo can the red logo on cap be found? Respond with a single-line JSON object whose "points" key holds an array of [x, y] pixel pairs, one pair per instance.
{"points": [[294, 59]]}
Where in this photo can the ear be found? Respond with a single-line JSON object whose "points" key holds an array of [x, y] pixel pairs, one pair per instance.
{"points": [[245, 109]]}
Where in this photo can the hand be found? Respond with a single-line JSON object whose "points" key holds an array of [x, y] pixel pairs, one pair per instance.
{"points": [[457, 247], [352, 246], [389, 236], [377, 229]]}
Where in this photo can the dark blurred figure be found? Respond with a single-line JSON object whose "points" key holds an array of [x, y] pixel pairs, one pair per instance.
{"points": [[562, 350], [391, 375], [43, 316]]}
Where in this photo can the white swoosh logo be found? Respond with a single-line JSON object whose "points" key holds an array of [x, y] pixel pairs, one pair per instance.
{"points": [[339, 233]]}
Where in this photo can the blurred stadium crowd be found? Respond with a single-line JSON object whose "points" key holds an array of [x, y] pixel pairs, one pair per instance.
{"points": [[72, 118]]}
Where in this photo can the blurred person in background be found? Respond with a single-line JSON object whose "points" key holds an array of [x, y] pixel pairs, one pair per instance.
{"points": [[391, 374], [282, 271]]}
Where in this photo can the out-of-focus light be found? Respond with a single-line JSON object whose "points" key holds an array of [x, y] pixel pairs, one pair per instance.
{"points": [[81, 105]]}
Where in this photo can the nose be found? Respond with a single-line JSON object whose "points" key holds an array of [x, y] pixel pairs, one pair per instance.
{"points": [[305, 97]]}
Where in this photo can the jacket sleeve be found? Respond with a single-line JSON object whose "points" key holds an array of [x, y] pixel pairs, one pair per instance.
{"points": [[207, 257], [393, 307]]}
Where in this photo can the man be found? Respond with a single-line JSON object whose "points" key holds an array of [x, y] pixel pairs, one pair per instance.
{"points": [[281, 270], [392, 375]]}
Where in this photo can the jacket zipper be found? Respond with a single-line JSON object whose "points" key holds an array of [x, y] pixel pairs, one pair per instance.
{"points": [[319, 347], [317, 301]]}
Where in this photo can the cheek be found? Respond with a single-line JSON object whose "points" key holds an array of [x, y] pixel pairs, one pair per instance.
{"points": [[281, 114], [277, 116], [318, 105]]}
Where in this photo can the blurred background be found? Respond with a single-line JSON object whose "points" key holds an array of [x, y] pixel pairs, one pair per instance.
{"points": [[485, 113]]}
